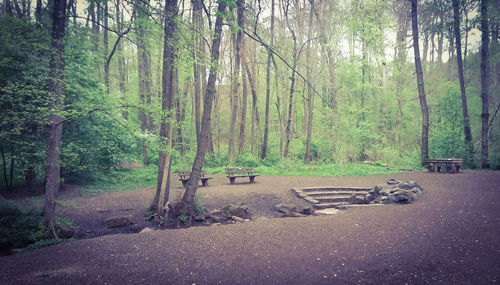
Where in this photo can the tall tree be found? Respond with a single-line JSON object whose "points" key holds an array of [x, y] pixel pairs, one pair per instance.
{"points": [[263, 153], [234, 94], [188, 198], [106, 44], [169, 89], [485, 83], [465, 111], [144, 70], [55, 128], [197, 50], [424, 153], [122, 69], [309, 102]]}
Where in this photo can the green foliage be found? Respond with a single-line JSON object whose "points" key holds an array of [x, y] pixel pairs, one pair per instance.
{"points": [[246, 160], [46, 242], [183, 218], [18, 228]]}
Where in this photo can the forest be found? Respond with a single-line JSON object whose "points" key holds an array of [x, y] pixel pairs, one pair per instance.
{"points": [[89, 87]]}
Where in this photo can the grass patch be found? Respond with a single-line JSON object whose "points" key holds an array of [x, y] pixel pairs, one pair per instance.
{"points": [[45, 242]]}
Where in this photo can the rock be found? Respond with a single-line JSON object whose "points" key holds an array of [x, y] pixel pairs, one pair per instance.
{"points": [[146, 230], [65, 232], [392, 182], [394, 192], [355, 199], [292, 215], [79, 235], [285, 208], [237, 219], [328, 211], [238, 210], [135, 227], [118, 221], [308, 210], [200, 218]]}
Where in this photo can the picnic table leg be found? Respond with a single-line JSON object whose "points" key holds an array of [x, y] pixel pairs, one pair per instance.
{"points": [[184, 182], [430, 168], [457, 168], [252, 179], [204, 182], [231, 179]]}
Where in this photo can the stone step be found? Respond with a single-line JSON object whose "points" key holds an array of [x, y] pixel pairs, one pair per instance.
{"points": [[342, 193], [332, 198], [331, 188], [334, 205]]}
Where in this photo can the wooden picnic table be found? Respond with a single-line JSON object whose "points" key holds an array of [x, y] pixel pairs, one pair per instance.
{"points": [[452, 165]]}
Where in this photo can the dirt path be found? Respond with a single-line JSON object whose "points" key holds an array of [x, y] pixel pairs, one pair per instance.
{"points": [[451, 236]]}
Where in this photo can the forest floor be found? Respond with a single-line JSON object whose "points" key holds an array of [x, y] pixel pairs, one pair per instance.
{"points": [[450, 235]]}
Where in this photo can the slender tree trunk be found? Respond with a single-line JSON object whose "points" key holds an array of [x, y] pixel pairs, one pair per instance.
{"points": [[144, 73], [467, 130], [420, 82], [197, 42], [291, 105], [121, 59], [308, 104], [106, 45], [169, 89], [263, 153], [55, 129], [192, 184], [234, 107], [485, 83]]}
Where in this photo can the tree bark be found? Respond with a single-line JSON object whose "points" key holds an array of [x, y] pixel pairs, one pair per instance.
{"points": [[485, 83], [263, 153], [466, 122], [243, 58], [197, 44], [144, 74], [424, 153], [192, 184], [106, 45], [309, 105], [234, 106], [121, 59], [169, 89], [55, 129]]}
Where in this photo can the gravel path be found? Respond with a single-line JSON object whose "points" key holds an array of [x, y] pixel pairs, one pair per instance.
{"points": [[450, 236]]}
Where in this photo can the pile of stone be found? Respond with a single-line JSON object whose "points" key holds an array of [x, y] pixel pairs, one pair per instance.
{"points": [[229, 214], [394, 192], [290, 210]]}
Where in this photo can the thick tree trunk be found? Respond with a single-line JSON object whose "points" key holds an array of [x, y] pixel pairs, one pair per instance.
{"points": [[192, 184], [263, 153], [308, 104], [466, 122], [55, 129], [424, 154], [485, 83], [169, 89]]}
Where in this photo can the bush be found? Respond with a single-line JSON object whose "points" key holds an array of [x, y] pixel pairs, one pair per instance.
{"points": [[246, 160], [17, 227]]}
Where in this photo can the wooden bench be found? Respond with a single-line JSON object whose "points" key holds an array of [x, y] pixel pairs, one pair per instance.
{"points": [[233, 173], [184, 177], [452, 164]]}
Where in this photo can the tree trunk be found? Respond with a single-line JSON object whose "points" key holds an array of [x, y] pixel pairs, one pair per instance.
{"points": [[308, 104], [55, 129], [485, 83], [121, 59], [263, 153], [197, 44], [420, 82], [467, 130], [192, 184], [243, 59], [106, 45], [144, 73], [169, 89], [291, 105], [234, 107]]}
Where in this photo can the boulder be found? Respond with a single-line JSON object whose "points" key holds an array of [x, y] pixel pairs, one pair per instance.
{"points": [[285, 208], [308, 210], [117, 221], [394, 192]]}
